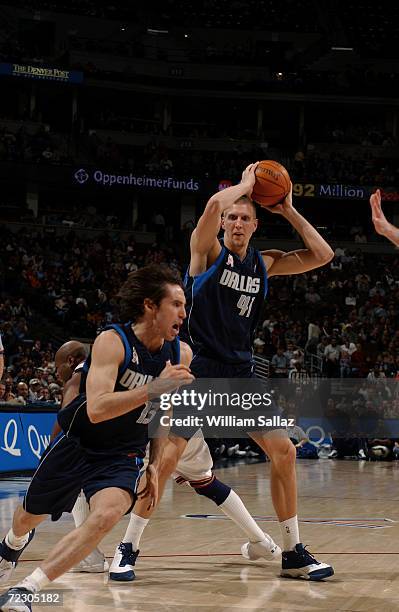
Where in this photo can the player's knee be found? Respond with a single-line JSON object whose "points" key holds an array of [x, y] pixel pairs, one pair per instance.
{"points": [[284, 456], [169, 463], [105, 518], [211, 488]]}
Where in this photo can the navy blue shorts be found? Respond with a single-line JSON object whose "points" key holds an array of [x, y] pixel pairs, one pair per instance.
{"points": [[65, 468]]}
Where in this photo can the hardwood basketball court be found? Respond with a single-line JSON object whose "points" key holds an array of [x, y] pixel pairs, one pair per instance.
{"points": [[347, 514]]}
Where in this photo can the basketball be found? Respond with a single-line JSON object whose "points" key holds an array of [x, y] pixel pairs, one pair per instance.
{"points": [[272, 183]]}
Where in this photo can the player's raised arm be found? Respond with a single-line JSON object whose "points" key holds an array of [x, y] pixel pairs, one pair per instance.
{"points": [[381, 224], [317, 253], [204, 237]]}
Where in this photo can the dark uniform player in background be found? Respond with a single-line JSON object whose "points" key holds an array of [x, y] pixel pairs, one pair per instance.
{"points": [[105, 431], [70, 362]]}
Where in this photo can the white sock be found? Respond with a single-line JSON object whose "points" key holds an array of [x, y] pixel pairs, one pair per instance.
{"points": [[234, 508], [134, 530], [81, 510], [35, 582], [290, 533], [16, 542]]}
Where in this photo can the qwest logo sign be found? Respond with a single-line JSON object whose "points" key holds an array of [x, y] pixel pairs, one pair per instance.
{"points": [[10, 439], [23, 439]]}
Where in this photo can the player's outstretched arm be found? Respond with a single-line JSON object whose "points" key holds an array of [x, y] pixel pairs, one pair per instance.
{"points": [[317, 253], [381, 224], [204, 237]]}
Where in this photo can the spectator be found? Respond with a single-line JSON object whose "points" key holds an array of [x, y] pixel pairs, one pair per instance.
{"points": [[259, 343], [332, 355], [375, 374], [35, 389], [44, 395], [280, 364], [22, 393], [312, 297]]}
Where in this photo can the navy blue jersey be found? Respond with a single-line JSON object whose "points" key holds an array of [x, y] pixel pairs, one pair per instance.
{"points": [[129, 432], [224, 305]]}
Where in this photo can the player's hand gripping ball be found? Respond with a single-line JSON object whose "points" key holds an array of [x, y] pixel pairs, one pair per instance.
{"points": [[272, 183]]}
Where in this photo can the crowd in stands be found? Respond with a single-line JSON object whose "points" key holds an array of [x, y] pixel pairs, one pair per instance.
{"points": [[341, 167], [30, 375], [39, 146], [329, 322], [310, 164], [348, 321], [74, 280]]}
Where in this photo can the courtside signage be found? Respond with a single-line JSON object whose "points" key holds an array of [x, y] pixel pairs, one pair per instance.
{"points": [[23, 439]]}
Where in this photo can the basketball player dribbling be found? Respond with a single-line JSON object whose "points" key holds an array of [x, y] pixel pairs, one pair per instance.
{"points": [[220, 325], [194, 468], [104, 432]]}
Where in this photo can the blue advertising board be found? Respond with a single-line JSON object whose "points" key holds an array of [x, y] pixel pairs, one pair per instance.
{"points": [[23, 438]]}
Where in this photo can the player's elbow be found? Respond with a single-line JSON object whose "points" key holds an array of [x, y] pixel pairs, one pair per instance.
{"points": [[93, 416], [93, 413], [214, 206], [329, 255], [325, 255]]}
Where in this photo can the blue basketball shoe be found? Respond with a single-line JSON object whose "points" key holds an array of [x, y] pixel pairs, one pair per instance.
{"points": [[299, 563], [123, 562]]}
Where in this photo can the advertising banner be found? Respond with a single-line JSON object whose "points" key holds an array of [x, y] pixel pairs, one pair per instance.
{"points": [[41, 72], [23, 438]]}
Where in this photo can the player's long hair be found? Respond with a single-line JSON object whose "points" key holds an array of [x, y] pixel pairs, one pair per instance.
{"points": [[146, 283]]}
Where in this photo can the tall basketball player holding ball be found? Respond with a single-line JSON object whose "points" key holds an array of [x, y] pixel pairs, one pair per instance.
{"points": [[221, 336]]}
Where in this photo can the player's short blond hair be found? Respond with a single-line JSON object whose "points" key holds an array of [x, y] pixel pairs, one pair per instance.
{"points": [[244, 200]]}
